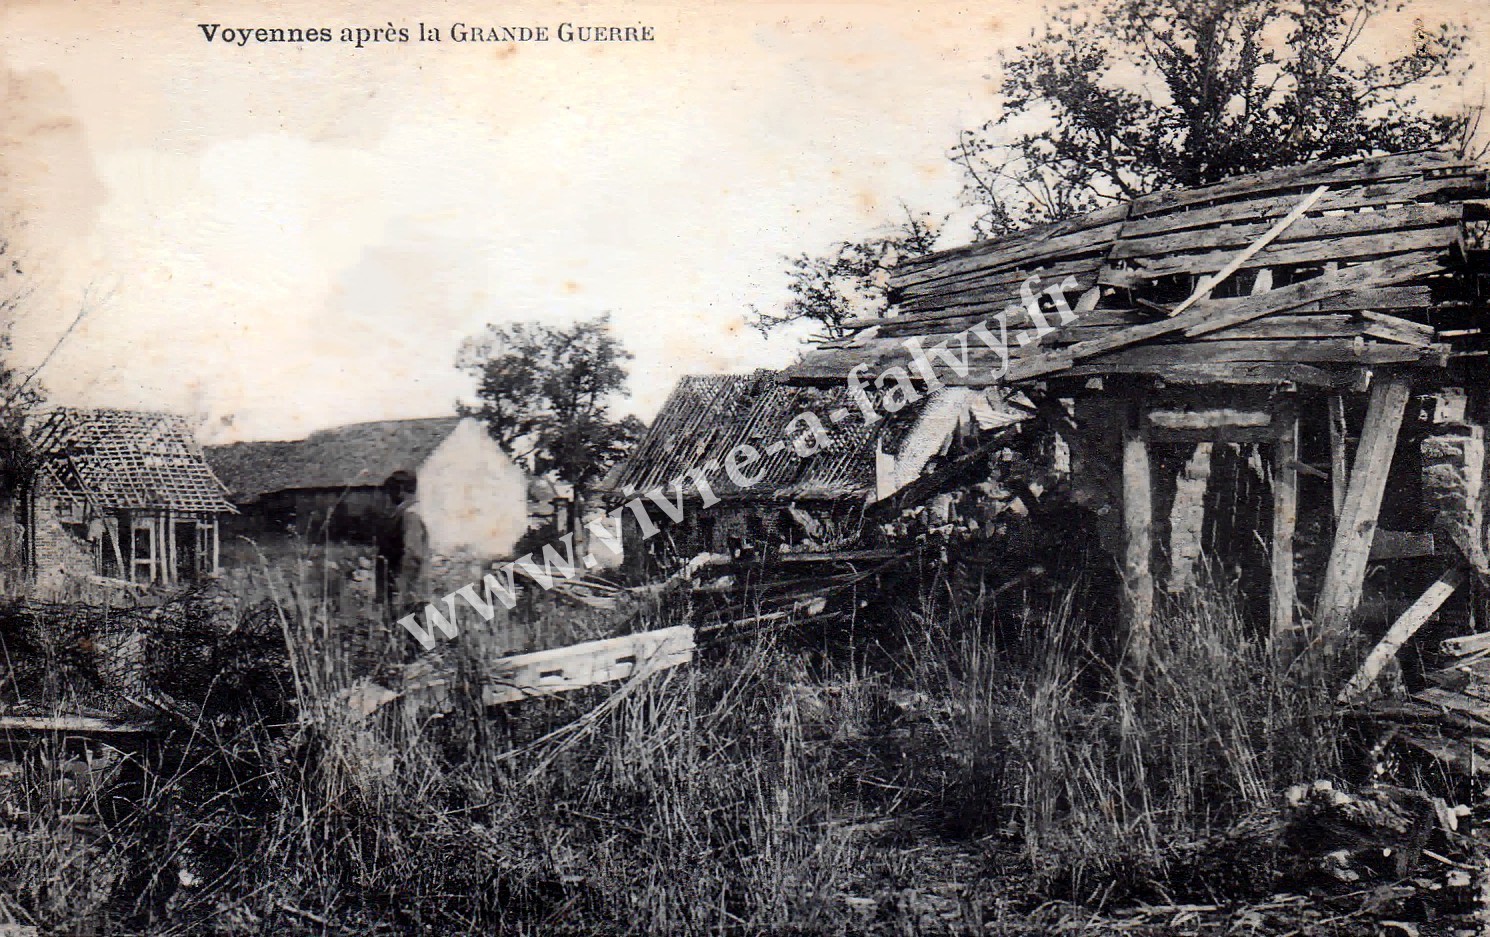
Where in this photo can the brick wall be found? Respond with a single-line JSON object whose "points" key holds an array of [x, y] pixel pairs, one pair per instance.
{"points": [[61, 549]]}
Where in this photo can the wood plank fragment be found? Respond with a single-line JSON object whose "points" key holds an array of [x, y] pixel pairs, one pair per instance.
{"points": [[1339, 459], [1209, 283], [1303, 229], [1345, 572], [560, 670], [1406, 625], [1355, 171], [1362, 247]]}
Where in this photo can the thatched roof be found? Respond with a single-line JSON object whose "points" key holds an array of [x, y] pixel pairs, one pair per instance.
{"points": [[127, 459], [360, 455]]}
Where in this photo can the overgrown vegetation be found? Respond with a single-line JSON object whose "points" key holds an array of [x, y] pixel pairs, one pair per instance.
{"points": [[950, 770]]}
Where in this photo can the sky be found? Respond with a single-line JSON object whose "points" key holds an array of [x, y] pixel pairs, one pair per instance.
{"points": [[276, 237]]}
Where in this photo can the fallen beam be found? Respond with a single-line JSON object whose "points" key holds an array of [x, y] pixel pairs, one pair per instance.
{"points": [[1400, 632]]}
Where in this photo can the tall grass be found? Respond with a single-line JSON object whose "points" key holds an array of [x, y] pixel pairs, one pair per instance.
{"points": [[741, 794], [1125, 775]]}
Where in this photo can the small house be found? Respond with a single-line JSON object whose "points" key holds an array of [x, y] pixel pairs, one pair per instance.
{"points": [[347, 484], [122, 494]]}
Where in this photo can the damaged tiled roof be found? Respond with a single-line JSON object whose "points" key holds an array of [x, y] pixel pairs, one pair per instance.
{"points": [[127, 459], [354, 456], [707, 417]]}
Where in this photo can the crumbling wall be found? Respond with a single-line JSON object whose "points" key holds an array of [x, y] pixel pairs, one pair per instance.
{"points": [[62, 549], [1453, 458]]}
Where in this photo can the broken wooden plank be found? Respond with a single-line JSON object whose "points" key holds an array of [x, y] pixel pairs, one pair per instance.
{"points": [[1467, 644], [1345, 571], [999, 286], [924, 276], [1339, 459], [1406, 625], [559, 670], [70, 723], [957, 314], [1207, 419], [1208, 283], [1361, 247], [1260, 207], [1283, 588], [1303, 229], [1355, 171], [1215, 314], [1308, 351], [1237, 372], [1396, 329], [1402, 544], [1023, 246]]}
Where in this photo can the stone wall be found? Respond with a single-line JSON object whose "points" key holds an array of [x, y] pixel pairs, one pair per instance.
{"points": [[1453, 485]]}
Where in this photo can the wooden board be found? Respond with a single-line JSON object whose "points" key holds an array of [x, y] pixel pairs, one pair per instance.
{"points": [[1345, 572], [559, 670], [1440, 239], [1355, 171], [1466, 184], [1022, 246], [1283, 588], [1305, 229], [65, 723], [1023, 254], [963, 315]]}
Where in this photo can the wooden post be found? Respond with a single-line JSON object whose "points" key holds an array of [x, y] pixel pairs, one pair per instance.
{"points": [[1338, 460], [1284, 593], [1346, 571], [1138, 544]]}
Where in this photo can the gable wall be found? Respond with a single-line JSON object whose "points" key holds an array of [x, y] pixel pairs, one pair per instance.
{"points": [[472, 497]]}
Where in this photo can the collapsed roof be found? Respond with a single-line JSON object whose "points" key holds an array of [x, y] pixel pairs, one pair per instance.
{"points": [[1294, 274], [127, 460], [707, 417]]}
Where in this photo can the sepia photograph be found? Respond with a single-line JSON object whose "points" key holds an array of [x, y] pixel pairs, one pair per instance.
{"points": [[849, 467]]}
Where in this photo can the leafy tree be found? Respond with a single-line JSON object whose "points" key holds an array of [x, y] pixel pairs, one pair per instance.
{"points": [[1122, 97], [848, 281], [545, 395]]}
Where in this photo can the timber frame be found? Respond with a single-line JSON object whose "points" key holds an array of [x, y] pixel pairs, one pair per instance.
{"points": [[1310, 327]]}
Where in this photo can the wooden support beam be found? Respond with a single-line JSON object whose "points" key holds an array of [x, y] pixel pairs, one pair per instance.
{"points": [[1284, 589], [1339, 461], [1138, 546], [1346, 571], [1401, 631]]}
